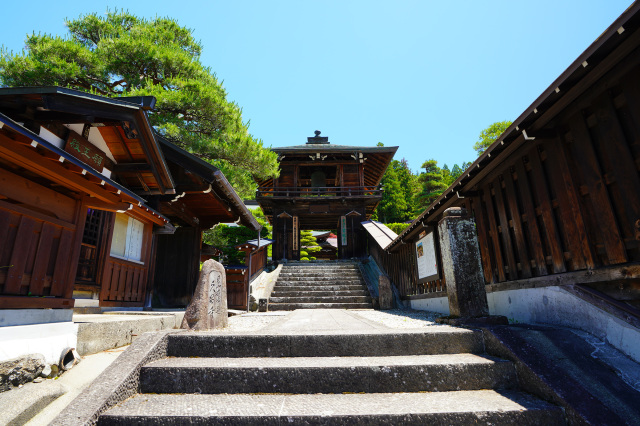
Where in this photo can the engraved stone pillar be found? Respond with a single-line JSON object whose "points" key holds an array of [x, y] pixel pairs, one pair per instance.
{"points": [[208, 307], [462, 265]]}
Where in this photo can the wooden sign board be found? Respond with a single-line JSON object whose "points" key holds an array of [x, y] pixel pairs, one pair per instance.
{"points": [[295, 233], [343, 230], [426, 258], [86, 152]]}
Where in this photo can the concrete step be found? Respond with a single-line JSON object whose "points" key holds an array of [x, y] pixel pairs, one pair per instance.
{"points": [[293, 306], [287, 292], [335, 298], [416, 373], [324, 265], [320, 274], [351, 284], [437, 340], [438, 408], [322, 280], [330, 288]]}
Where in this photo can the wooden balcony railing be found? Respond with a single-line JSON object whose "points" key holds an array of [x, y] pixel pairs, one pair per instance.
{"points": [[325, 191]]}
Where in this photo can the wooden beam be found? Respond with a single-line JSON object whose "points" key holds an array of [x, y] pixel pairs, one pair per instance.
{"points": [[26, 157], [131, 167], [19, 302], [33, 194], [93, 203]]}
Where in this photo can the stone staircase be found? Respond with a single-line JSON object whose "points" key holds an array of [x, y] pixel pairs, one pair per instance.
{"points": [[438, 376], [321, 285]]}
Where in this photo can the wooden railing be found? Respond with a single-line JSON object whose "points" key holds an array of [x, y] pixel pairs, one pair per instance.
{"points": [[323, 191], [402, 271]]}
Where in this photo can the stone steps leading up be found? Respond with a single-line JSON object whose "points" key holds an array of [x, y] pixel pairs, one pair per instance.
{"points": [[414, 373], [353, 374], [333, 285], [437, 408], [332, 288], [293, 292], [314, 305], [338, 298]]}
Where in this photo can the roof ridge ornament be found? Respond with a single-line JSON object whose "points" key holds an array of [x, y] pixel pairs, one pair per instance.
{"points": [[317, 139]]}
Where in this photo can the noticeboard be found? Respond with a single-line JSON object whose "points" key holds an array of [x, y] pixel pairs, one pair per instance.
{"points": [[343, 230], [427, 258], [296, 237]]}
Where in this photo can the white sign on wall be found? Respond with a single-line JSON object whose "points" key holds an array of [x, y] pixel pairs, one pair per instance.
{"points": [[426, 258]]}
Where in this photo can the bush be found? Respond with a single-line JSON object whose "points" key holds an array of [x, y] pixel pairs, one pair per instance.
{"points": [[397, 227]]}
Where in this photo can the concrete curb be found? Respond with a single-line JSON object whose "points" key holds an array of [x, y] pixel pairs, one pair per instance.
{"points": [[110, 332], [118, 382]]}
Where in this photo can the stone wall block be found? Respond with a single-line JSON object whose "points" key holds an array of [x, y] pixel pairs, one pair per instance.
{"points": [[462, 265]]}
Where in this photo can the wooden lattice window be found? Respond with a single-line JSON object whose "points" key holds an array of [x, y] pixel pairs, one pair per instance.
{"points": [[90, 248]]}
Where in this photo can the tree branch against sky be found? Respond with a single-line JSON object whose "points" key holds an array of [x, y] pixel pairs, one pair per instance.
{"points": [[119, 54], [490, 135]]}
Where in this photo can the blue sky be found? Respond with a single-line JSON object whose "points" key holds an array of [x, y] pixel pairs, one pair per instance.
{"points": [[422, 75]]}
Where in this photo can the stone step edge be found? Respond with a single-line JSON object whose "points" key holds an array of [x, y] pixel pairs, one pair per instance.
{"points": [[457, 407], [414, 373]]}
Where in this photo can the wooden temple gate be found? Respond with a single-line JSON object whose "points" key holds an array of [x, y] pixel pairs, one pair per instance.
{"points": [[323, 187]]}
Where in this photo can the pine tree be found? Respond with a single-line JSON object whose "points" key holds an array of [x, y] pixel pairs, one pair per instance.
{"points": [[119, 54], [490, 135], [432, 185], [308, 245]]}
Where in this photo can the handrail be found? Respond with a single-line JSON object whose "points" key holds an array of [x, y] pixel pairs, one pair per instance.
{"points": [[322, 191]]}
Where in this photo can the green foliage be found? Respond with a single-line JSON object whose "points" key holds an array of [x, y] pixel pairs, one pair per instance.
{"points": [[119, 54], [450, 176], [398, 199], [397, 227], [308, 245], [226, 238], [432, 185], [490, 135]]}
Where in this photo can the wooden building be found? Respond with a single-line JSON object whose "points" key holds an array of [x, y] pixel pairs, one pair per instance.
{"points": [[241, 278], [82, 180], [556, 198], [323, 187], [203, 199]]}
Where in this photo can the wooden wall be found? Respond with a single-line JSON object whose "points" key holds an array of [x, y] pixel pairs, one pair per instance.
{"points": [[569, 201], [39, 246], [124, 283], [237, 283], [402, 269], [177, 266]]}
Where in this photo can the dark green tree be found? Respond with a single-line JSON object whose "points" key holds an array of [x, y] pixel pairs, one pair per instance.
{"points": [[450, 176], [119, 54], [431, 183], [398, 198], [226, 237], [490, 135]]}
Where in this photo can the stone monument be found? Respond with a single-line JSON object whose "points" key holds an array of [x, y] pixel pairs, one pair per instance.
{"points": [[385, 294], [462, 268], [208, 307]]}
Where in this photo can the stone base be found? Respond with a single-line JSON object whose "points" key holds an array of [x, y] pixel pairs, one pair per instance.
{"points": [[484, 320]]}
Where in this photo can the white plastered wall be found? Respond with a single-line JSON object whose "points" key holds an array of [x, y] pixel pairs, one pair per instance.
{"points": [[556, 306]]}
